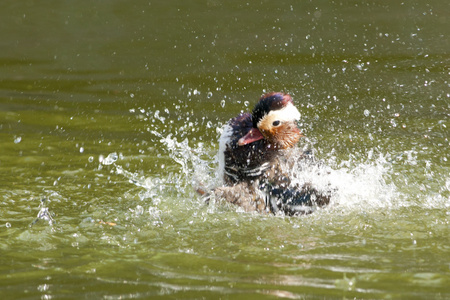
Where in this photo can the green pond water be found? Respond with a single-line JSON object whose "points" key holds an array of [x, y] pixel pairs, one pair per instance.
{"points": [[110, 112]]}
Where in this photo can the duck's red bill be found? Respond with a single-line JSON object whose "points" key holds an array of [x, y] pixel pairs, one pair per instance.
{"points": [[252, 136]]}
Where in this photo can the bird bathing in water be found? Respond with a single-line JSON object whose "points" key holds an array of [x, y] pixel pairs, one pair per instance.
{"points": [[257, 153]]}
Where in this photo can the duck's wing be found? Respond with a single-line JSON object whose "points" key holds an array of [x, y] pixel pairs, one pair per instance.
{"points": [[239, 163], [295, 201], [242, 194]]}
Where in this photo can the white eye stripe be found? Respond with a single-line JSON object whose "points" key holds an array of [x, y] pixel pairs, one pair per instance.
{"points": [[288, 113]]}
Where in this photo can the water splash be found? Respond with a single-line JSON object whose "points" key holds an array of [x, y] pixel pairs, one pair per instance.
{"points": [[355, 185], [368, 180], [109, 160], [44, 213], [197, 163]]}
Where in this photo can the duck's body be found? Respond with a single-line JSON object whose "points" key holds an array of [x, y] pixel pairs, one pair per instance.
{"points": [[243, 162], [256, 153]]}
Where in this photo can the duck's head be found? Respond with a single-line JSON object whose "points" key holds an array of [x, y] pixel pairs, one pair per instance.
{"points": [[275, 120]]}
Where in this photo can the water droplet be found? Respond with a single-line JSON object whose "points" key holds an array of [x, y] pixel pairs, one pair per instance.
{"points": [[366, 112], [139, 210], [209, 95], [246, 103], [17, 140], [43, 287], [81, 149], [8, 225], [222, 103], [110, 159]]}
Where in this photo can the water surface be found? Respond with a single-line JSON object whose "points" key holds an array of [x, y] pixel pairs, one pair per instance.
{"points": [[110, 114]]}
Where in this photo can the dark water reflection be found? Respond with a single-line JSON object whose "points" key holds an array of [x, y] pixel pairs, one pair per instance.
{"points": [[154, 82]]}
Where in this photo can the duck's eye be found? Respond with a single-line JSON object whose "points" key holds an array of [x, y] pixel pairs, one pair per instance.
{"points": [[276, 123]]}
